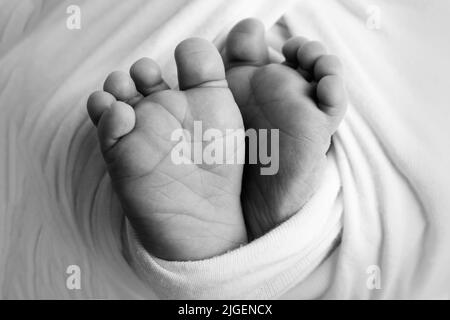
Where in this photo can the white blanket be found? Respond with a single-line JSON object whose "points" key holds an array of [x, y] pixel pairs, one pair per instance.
{"points": [[377, 228]]}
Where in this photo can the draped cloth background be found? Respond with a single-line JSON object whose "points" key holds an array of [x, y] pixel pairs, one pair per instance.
{"points": [[387, 192]]}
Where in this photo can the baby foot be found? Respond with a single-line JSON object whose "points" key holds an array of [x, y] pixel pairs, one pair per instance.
{"points": [[304, 98], [179, 211]]}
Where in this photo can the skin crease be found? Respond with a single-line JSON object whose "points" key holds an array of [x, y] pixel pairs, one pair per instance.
{"points": [[193, 212]]}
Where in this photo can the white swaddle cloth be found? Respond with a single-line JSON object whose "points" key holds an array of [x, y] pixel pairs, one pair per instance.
{"points": [[263, 269], [383, 204]]}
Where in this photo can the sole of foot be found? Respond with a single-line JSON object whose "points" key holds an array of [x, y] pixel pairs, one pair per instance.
{"points": [[304, 98], [180, 211]]}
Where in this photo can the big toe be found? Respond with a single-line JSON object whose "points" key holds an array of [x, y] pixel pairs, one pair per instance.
{"points": [[199, 64], [246, 44]]}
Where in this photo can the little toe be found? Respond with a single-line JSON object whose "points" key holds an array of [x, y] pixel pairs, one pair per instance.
{"points": [[116, 122], [327, 65], [146, 74], [291, 48], [98, 103], [331, 96], [122, 87], [246, 44], [199, 64], [308, 54]]}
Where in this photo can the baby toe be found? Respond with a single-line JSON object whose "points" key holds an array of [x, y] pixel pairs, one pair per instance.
{"points": [[199, 64], [122, 87], [331, 96], [246, 44], [308, 54], [116, 122], [327, 65], [98, 103], [291, 48], [146, 74]]}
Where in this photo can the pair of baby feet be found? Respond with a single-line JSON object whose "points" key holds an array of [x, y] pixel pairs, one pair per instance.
{"points": [[194, 211]]}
